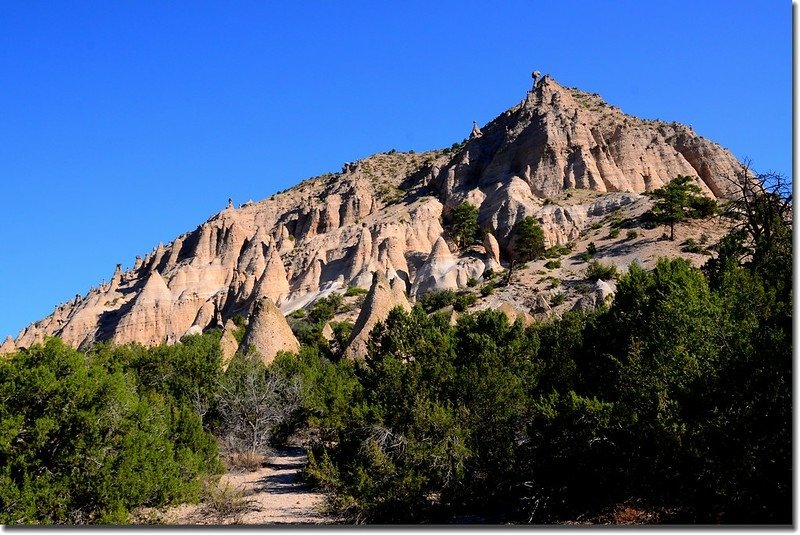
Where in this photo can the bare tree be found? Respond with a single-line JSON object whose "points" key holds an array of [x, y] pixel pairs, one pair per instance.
{"points": [[253, 402], [761, 210]]}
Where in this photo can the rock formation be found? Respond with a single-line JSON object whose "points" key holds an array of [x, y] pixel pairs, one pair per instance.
{"points": [[380, 300], [8, 346], [268, 332], [561, 155], [228, 344]]}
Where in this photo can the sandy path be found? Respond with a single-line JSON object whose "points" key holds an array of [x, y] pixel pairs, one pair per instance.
{"points": [[273, 495]]}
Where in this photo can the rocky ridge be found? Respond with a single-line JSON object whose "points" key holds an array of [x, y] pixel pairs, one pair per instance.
{"points": [[561, 155]]}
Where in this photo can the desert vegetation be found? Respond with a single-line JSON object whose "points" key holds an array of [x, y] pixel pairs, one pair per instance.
{"points": [[673, 404]]}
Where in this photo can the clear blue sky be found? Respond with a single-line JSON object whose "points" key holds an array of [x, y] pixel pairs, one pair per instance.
{"points": [[123, 124]]}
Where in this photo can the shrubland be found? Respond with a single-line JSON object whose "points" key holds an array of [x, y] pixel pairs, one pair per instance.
{"points": [[674, 400]]}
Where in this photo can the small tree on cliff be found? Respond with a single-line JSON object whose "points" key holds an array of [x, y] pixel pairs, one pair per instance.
{"points": [[465, 224], [680, 200], [528, 242]]}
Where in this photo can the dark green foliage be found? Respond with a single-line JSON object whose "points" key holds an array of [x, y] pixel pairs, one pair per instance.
{"points": [[553, 264], [529, 239], [613, 233], [677, 397], [597, 270], [591, 248], [679, 200], [487, 289], [328, 388], [472, 282], [82, 442], [557, 299], [325, 308], [355, 290], [557, 251], [691, 246], [438, 299], [342, 331], [308, 327], [465, 224], [631, 234]]}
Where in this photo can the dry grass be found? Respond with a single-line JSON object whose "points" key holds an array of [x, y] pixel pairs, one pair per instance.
{"points": [[226, 503], [245, 461]]}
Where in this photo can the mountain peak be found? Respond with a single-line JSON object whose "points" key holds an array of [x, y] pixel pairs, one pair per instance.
{"points": [[561, 155]]}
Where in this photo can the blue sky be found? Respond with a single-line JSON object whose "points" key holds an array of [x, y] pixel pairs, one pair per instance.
{"points": [[128, 123]]}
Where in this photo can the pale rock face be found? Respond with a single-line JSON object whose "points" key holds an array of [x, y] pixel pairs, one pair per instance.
{"points": [[228, 344], [380, 300], [8, 346], [327, 332], [194, 330], [268, 332], [492, 252], [513, 313], [206, 315], [602, 293], [384, 214], [149, 319], [273, 284]]}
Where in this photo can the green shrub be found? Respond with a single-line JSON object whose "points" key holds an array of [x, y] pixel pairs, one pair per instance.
{"points": [[472, 282], [598, 270], [691, 246], [557, 251], [487, 289], [613, 233], [81, 444], [465, 224], [557, 299], [355, 290], [585, 256], [553, 264], [631, 234], [438, 299], [299, 314], [591, 248]]}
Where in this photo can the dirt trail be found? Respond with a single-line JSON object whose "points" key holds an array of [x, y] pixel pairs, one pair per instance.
{"points": [[272, 495]]}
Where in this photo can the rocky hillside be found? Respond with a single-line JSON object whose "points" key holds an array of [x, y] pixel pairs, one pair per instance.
{"points": [[577, 164]]}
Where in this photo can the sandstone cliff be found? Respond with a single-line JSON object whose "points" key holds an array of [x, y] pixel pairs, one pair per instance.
{"points": [[560, 155]]}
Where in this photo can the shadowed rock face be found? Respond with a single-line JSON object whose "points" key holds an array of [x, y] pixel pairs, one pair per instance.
{"points": [[385, 214], [380, 300]]}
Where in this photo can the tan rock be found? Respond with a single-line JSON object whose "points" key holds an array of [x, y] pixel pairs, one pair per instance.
{"points": [[513, 314], [384, 213], [8, 346], [268, 332], [228, 344], [149, 319], [492, 252], [437, 273], [380, 300]]}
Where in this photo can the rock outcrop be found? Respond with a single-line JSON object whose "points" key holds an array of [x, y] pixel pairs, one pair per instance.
{"points": [[8, 346], [228, 343], [268, 332], [602, 294], [380, 300], [561, 155]]}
